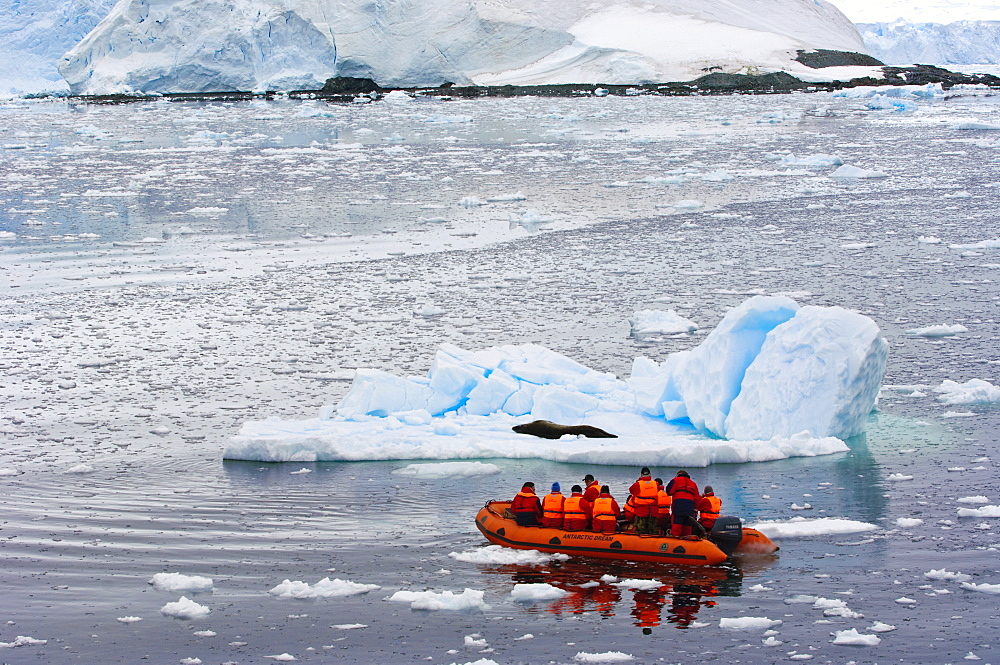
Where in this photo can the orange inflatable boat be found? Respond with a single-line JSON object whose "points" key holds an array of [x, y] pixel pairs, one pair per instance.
{"points": [[729, 537]]}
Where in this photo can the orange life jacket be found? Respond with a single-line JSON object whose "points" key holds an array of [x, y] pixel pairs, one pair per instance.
{"points": [[572, 510], [663, 502], [647, 492], [603, 509], [714, 505], [552, 505]]}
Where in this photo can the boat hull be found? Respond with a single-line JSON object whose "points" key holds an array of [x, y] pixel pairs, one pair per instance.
{"points": [[501, 530]]}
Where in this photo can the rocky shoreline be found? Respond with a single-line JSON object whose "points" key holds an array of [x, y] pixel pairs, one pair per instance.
{"points": [[349, 89]]}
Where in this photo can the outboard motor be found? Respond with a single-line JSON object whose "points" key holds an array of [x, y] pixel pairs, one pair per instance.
{"points": [[727, 532]]}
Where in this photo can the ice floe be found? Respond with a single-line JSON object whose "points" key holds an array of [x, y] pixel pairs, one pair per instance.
{"points": [[496, 554], [747, 623], [774, 379], [655, 321], [854, 638], [982, 588], [605, 657], [973, 391], [325, 588], [180, 583], [185, 608], [802, 527], [469, 599], [530, 592]]}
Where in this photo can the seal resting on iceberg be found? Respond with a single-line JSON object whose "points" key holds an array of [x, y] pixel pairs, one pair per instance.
{"points": [[547, 429]]}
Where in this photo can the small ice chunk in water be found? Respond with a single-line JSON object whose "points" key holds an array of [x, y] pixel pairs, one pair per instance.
{"points": [[853, 637], [177, 583], [538, 591], [185, 609]]}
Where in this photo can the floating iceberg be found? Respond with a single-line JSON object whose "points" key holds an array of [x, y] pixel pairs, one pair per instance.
{"points": [[773, 380]]}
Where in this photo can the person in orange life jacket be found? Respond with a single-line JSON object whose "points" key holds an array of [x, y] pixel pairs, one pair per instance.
{"points": [[709, 508], [606, 512], [684, 497], [592, 489], [644, 491], [628, 514], [576, 511], [526, 507], [552, 508], [662, 508]]}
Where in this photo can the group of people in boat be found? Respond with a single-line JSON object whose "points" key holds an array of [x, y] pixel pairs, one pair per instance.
{"points": [[652, 508]]}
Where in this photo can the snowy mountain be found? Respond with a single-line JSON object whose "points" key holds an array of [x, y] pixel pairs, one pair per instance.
{"points": [[35, 33], [217, 45], [923, 11], [962, 42]]}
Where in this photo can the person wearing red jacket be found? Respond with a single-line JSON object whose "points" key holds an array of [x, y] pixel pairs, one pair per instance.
{"points": [[552, 508], [644, 492], [577, 511], [526, 507], [684, 497], [591, 489], [606, 512], [709, 508]]}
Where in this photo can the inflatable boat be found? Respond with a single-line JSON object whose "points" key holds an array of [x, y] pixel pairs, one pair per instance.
{"points": [[728, 537]]}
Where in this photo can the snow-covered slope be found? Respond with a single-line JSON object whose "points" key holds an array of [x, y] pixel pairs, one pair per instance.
{"points": [[35, 33], [216, 45], [961, 42]]}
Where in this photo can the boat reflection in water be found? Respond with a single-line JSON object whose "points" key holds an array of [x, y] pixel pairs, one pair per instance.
{"points": [[653, 594]]}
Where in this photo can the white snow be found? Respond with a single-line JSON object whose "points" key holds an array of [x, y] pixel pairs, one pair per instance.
{"points": [[973, 499], [180, 46], [180, 583], [973, 391], [747, 623], [803, 527], [660, 322], [438, 470], [185, 609], [469, 599], [325, 588], [497, 554], [536, 591]]}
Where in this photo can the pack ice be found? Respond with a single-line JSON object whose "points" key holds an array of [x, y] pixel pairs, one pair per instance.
{"points": [[220, 45], [772, 380]]}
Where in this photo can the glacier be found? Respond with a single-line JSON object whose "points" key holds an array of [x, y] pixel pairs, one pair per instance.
{"points": [[162, 46], [772, 380], [34, 34], [903, 42]]}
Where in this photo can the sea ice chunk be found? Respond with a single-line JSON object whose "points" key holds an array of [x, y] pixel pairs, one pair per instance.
{"points": [[819, 371]]}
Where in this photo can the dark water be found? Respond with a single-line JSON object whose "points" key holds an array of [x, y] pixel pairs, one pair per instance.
{"points": [[145, 381]]}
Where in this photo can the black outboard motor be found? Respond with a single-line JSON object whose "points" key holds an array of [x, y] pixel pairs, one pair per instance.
{"points": [[727, 532]]}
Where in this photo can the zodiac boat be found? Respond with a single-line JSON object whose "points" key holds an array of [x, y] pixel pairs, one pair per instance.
{"points": [[728, 537]]}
